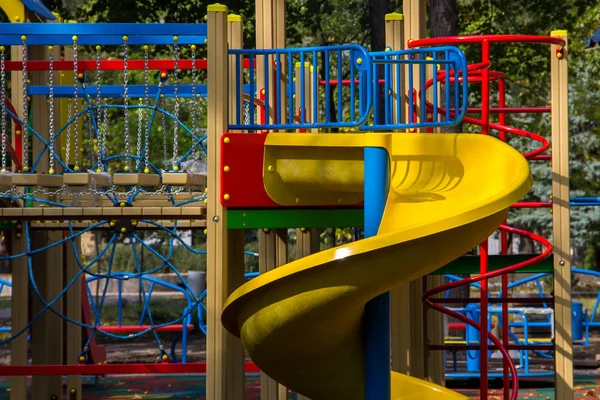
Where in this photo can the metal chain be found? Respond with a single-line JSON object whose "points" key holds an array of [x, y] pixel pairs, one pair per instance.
{"points": [[104, 131], [194, 105], [246, 115], [76, 155], [139, 134], [69, 127], [164, 132], [91, 138], [3, 103], [176, 99], [146, 114], [51, 102], [25, 133], [126, 102], [101, 154]]}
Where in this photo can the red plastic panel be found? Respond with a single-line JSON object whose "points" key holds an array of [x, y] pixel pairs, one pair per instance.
{"points": [[242, 156]]}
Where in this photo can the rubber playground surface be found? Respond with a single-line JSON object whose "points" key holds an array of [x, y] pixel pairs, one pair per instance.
{"points": [[193, 387]]}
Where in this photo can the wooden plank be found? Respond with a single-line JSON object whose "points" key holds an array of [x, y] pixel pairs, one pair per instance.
{"points": [[97, 180], [136, 179], [43, 180], [563, 355], [73, 302], [19, 313], [183, 179]]}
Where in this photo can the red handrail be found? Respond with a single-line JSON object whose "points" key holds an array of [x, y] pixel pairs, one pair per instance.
{"points": [[479, 39]]}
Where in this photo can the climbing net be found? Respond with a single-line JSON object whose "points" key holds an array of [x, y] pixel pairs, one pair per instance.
{"points": [[108, 112]]}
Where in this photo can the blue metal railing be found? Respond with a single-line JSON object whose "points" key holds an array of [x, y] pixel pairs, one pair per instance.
{"points": [[343, 85], [441, 72], [4, 283], [328, 65]]}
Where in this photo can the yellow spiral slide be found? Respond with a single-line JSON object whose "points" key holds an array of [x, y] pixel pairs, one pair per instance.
{"points": [[301, 323]]}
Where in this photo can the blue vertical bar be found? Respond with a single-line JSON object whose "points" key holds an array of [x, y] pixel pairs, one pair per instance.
{"points": [[399, 99], [238, 84], [422, 90], [456, 92], [434, 114], [252, 92], [278, 89], [302, 90], [447, 86], [315, 88], [375, 92], [326, 67], [377, 311], [120, 302], [266, 63], [411, 95], [388, 78], [291, 88], [352, 90], [340, 86]]}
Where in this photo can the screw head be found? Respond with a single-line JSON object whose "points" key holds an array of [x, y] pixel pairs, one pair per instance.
{"points": [[216, 218], [562, 262]]}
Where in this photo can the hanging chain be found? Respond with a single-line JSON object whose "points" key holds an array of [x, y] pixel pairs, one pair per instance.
{"points": [[76, 155], [91, 137], [146, 114], [3, 103], [164, 132], [104, 131], [176, 99], [101, 154], [25, 132], [195, 135], [139, 134], [51, 102], [126, 102], [68, 146]]}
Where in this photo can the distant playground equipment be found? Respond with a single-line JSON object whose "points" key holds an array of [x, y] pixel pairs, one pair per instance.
{"points": [[272, 157]]}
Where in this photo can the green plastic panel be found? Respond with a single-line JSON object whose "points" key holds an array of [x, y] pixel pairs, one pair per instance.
{"points": [[466, 265], [294, 218]]}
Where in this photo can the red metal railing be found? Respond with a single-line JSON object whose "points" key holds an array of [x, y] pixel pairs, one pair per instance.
{"points": [[482, 73]]}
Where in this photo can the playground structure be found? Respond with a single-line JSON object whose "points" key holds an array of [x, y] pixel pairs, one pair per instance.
{"points": [[263, 91]]}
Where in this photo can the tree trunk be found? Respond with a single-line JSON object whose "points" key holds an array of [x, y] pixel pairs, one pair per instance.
{"points": [[443, 21]]}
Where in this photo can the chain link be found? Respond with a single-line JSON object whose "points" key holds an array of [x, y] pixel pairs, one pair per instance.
{"points": [[101, 154], [164, 132], [69, 127], [25, 132], [176, 106], [76, 155], [139, 134], [146, 114], [195, 132], [51, 102], [126, 102], [3, 103]]}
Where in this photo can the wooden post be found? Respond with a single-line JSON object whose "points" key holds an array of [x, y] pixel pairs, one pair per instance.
{"points": [[272, 253], [563, 354], [217, 245], [270, 34], [394, 38], [400, 296], [19, 299], [236, 373], [415, 26], [73, 300]]}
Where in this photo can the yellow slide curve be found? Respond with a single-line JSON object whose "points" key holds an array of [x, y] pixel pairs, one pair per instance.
{"points": [[301, 323]]}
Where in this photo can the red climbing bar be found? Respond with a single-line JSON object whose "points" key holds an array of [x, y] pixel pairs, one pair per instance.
{"points": [[478, 39], [511, 110]]}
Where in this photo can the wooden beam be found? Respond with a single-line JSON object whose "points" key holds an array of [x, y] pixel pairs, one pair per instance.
{"points": [[563, 354], [73, 304], [217, 234], [19, 313]]}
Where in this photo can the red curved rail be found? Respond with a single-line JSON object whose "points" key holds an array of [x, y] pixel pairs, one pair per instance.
{"points": [[478, 39], [482, 73]]}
